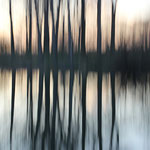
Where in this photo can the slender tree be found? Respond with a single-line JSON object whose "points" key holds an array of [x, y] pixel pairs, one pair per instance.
{"points": [[11, 29], [53, 30], [69, 33], [63, 36], [57, 22], [83, 27], [30, 26], [114, 4], [46, 27], [39, 26], [99, 26], [27, 12]]}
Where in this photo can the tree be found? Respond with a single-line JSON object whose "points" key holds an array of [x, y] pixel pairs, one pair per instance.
{"points": [[39, 26], [27, 11], [69, 34], [114, 4], [30, 26], [11, 28], [55, 28], [46, 27], [83, 27], [99, 26]]}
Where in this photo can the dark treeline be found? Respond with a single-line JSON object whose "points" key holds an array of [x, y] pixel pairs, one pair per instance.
{"points": [[45, 15]]}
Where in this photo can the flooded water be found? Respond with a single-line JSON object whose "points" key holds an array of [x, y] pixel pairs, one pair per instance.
{"points": [[73, 110]]}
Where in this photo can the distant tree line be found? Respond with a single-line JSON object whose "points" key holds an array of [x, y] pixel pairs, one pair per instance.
{"points": [[44, 9]]}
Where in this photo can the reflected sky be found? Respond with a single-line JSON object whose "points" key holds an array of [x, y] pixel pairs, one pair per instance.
{"points": [[132, 112]]}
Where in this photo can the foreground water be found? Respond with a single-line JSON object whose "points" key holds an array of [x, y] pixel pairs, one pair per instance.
{"points": [[73, 110]]}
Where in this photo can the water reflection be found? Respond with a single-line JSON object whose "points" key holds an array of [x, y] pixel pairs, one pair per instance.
{"points": [[52, 109]]}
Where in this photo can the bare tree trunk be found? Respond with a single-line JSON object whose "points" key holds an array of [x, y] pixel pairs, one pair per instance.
{"points": [[38, 28], [57, 24], [30, 26], [53, 31], [27, 44], [46, 27], [63, 36], [69, 34], [99, 27], [113, 26], [83, 27], [11, 29]]}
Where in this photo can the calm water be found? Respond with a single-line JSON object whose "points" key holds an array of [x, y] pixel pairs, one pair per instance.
{"points": [[73, 110]]}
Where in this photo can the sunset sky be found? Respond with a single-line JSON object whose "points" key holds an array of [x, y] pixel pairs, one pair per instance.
{"points": [[128, 12]]}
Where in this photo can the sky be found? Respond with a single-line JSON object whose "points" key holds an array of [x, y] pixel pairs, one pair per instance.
{"points": [[128, 12]]}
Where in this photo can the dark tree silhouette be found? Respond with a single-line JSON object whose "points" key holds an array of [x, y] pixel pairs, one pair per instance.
{"points": [[11, 29], [57, 23], [63, 36], [99, 26], [55, 28], [27, 12], [30, 27], [114, 5], [39, 26], [83, 27], [46, 27], [70, 47]]}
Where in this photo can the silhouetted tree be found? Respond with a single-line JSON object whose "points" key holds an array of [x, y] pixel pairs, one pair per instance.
{"points": [[11, 29], [57, 23], [27, 12], [46, 27], [70, 47], [99, 26], [63, 35], [39, 26], [30, 26], [55, 28], [114, 4], [83, 27]]}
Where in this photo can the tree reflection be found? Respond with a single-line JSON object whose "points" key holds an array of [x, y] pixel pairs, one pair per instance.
{"points": [[100, 110], [12, 104], [84, 80]]}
